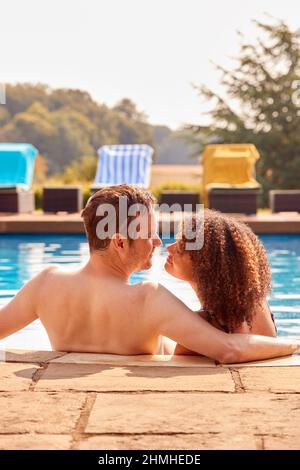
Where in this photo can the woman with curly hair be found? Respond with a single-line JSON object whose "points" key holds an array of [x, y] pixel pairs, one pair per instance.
{"points": [[230, 274]]}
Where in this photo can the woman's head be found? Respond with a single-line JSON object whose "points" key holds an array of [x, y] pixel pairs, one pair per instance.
{"points": [[230, 272]]}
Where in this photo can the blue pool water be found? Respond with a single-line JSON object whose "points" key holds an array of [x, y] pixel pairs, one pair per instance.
{"points": [[22, 256]]}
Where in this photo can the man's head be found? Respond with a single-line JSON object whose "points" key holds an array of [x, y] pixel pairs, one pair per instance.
{"points": [[120, 221]]}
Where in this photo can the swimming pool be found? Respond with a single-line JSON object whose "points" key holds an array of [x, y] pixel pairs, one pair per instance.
{"points": [[22, 256]]}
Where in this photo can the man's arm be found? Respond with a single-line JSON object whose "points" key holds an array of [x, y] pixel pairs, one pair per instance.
{"points": [[181, 350], [22, 309], [176, 321]]}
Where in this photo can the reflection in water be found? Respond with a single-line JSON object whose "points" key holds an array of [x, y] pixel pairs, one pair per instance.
{"points": [[23, 256]]}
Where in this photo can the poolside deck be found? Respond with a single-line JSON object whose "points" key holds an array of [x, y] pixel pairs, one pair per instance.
{"points": [[38, 222], [89, 401]]}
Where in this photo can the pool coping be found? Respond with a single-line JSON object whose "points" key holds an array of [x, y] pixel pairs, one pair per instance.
{"points": [[143, 360]]}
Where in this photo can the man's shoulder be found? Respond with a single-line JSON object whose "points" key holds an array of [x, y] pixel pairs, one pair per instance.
{"points": [[56, 273], [142, 291], [149, 287], [48, 270], [44, 274], [151, 290], [148, 294]]}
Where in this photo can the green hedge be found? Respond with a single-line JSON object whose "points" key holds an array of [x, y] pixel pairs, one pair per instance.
{"points": [[169, 185]]}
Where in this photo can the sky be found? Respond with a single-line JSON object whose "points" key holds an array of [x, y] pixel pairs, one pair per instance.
{"points": [[151, 51]]}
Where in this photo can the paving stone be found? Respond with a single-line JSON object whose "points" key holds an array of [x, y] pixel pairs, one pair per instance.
{"points": [[287, 442], [277, 380], [168, 442], [16, 376], [205, 415], [33, 412], [287, 361], [112, 378], [35, 441], [140, 360], [225, 413], [20, 355]]}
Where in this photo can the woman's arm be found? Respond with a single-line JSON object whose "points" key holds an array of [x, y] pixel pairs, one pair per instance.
{"points": [[176, 321], [262, 325]]}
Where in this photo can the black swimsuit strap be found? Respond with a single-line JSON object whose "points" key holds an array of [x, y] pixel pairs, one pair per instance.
{"points": [[273, 319]]}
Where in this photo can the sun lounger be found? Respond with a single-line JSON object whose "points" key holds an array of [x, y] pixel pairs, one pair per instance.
{"points": [[119, 164], [62, 198], [287, 200], [229, 178], [233, 200], [16, 174]]}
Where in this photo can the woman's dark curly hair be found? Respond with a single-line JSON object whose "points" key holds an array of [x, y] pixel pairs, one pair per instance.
{"points": [[231, 270]]}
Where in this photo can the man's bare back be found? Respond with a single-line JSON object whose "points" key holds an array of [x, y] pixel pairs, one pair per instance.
{"points": [[84, 311]]}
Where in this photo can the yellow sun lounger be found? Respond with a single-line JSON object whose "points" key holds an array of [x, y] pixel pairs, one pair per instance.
{"points": [[229, 170]]}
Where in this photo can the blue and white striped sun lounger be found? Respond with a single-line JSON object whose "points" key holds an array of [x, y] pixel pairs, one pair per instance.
{"points": [[119, 164]]}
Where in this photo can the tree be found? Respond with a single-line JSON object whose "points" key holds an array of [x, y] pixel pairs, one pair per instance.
{"points": [[21, 96], [4, 116], [132, 124], [72, 138], [34, 126], [264, 107], [128, 108], [82, 170], [40, 170], [65, 124]]}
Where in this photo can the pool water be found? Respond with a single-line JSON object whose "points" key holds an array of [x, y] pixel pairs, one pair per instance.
{"points": [[23, 256]]}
